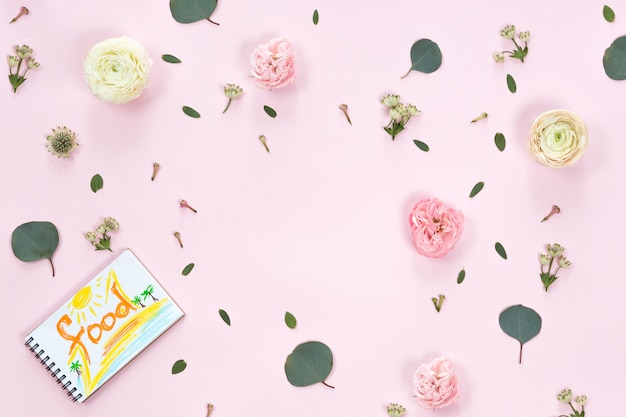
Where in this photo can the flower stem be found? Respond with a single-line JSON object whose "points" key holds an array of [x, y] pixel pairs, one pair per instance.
{"points": [[228, 105]]}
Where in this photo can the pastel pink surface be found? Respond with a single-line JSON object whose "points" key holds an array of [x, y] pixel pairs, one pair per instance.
{"points": [[318, 226]]}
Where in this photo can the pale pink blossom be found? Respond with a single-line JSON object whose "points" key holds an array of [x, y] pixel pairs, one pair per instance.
{"points": [[273, 64], [435, 227], [435, 384]]}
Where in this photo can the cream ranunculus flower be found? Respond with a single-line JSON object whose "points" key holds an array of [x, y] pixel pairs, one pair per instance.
{"points": [[558, 138], [116, 69]]}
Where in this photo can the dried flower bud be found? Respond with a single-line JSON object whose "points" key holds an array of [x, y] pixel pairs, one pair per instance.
{"points": [[344, 109], [177, 236], [184, 203], [155, 170], [264, 142], [479, 117], [23, 11]]}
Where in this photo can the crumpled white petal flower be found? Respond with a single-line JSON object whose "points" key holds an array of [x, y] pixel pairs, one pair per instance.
{"points": [[558, 138], [116, 69]]}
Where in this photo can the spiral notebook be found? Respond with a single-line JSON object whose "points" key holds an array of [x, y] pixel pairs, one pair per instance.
{"points": [[103, 326]]}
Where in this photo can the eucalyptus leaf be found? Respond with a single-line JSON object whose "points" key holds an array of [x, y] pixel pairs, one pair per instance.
{"points": [[270, 111], [614, 60], [308, 364], [476, 189], [608, 13], [421, 145], [316, 17], [33, 241], [425, 57], [521, 323], [96, 183], [500, 141], [179, 366], [510, 83], [224, 316], [461, 277], [500, 250], [190, 11], [171, 59], [187, 269], [191, 112], [290, 320]]}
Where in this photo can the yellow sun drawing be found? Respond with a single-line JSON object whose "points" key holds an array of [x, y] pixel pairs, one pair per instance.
{"points": [[84, 300]]}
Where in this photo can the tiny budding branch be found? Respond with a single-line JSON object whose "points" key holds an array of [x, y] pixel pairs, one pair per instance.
{"points": [[555, 210], [479, 117], [209, 409], [184, 203], [438, 302], [344, 109], [155, 170], [23, 12], [264, 142], [177, 236]]}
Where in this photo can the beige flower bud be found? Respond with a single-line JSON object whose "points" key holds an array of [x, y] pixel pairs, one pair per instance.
{"points": [[558, 138]]}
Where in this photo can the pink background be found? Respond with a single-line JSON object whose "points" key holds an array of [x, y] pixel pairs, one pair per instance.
{"points": [[319, 227]]}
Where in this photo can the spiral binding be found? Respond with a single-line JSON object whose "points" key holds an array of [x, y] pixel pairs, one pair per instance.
{"points": [[39, 354]]}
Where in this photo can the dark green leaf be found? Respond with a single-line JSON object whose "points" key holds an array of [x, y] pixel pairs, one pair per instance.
{"points": [[290, 320], [425, 56], [500, 250], [191, 112], [178, 366], [171, 59], [461, 276], [424, 147], [510, 82], [477, 188], [316, 17], [34, 241], [96, 182], [270, 111], [308, 364], [188, 269], [614, 60], [521, 323], [608, 13], [500, 141], [189, 11], [224, 316]]}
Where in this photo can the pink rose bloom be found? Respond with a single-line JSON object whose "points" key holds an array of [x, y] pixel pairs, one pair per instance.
{"points": [[435, 384], [435, 227], [273, 64]]}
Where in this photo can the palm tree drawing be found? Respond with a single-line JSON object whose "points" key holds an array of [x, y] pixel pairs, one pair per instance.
{"points": [[148, 293], [75, 367], [137, 301]]}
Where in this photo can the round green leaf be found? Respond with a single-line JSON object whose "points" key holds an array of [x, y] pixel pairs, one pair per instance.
{"points": [[608, 13], [461, 276], [425, 56], [224, 316], [188, 268], [421, 145], [614, 59], [191, 112], [308, 364], [500, 250], [33, 241], [316, 17], [290, 320], [500, 141], [270, 111], [510, 83], [521, 323], [476, 189], [171, 59], [178, 366], [189, 11], [96, 183]]}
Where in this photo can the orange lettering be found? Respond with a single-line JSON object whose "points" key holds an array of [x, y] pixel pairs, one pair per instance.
{"points": [[124, 307], [66, 320], [94, 339], [104, 324]]}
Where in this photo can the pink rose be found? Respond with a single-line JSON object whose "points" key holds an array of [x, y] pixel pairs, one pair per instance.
{"points": [[273, 64], [435, 384], [435, 227]]}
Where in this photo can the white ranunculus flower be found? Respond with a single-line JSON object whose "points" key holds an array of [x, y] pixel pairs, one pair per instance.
{"points": [[116, 69], [558, 138]]}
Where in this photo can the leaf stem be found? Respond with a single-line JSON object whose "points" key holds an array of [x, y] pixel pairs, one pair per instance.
{"points": [[228, 105], [520, 352], [329, 386], [407, 73], [52, 265], [215, 23]]}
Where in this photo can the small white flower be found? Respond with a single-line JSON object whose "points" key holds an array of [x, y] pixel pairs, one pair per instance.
{"points": [[563, 262], [412, 110], [396, 114], [23, 51], [92, 237], [13, 60], [498, 57], [565, 396], [61, 142], [232, 91], [524, 36], [544, 260], [32, 64], [555, 250], [390, 100], [581, 400], [395, 410], [101, 229], [111, 224], [508, 32]]}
